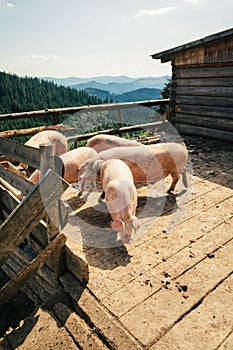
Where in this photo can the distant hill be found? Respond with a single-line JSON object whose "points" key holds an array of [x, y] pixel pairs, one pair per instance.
{"points": [[116, 85], [130, 96], [19, 94]]}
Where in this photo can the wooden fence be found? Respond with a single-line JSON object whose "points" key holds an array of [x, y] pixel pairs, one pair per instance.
{"points": [[38, 219], [56, 113]]}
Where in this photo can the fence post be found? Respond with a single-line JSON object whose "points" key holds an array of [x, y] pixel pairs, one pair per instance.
{"points": [[119, 122]]}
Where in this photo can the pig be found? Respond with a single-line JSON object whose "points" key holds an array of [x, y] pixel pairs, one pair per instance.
{"points": [[120, 196], [103, 142], [53, 137], [150, 163], [72, 161]]}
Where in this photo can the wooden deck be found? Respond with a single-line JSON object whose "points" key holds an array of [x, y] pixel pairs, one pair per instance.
{"points": [[169, 289]]}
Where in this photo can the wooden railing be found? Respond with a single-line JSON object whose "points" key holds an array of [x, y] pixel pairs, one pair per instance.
{"points": [[56, 113]]}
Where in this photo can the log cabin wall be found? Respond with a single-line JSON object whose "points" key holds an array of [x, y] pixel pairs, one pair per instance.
{"points": [[201, 101]]}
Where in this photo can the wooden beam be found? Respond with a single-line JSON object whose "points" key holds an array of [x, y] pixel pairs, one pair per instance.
{"points": [[72, 110], [29, 212], [15, 180], [205, 132], [13, 286], [20, 152]]}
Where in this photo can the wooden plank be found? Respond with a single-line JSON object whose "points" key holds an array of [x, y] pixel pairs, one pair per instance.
{"points": [[38, 239], [205, 101], [15, 180], [29, 213], [210, 82], [219, 112], [201, 280], [204, 132], [20, 152], [207, 326], [204, 121], [205, 72], [215, 91], [13, 286], [77, 265]]}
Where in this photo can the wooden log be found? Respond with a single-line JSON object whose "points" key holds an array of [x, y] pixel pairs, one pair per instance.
{"points": [[205, 101], [214, 111], [204, 72], [215, 91], [205, 132], [29, 213], [33, 131], [13, 286], [209, 122], [72, 110], [210, 82]]}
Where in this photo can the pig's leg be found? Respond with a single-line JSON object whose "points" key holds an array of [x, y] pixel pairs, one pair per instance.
{"points": [[175, 178]]}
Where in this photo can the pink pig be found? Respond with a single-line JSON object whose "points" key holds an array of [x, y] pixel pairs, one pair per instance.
{"points": [[149, 164], [103, 142], [120, 196], [72, 161], [58, 141], [53, 137]]}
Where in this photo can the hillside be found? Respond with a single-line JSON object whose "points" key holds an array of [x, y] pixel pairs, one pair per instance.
{"points": [[26, 94], [116, 85], [130, 96]]}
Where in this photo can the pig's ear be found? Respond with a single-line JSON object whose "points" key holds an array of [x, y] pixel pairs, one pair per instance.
{"points": [[135, 223]]}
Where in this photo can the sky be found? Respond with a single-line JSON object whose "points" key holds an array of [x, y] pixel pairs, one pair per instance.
{"points": [[88, 38]]}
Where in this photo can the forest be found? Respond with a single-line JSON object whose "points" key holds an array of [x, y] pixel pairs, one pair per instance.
{"points": [[22, 94]]}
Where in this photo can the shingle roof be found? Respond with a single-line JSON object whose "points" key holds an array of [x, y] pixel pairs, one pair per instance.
{"points": [[167, 55]]}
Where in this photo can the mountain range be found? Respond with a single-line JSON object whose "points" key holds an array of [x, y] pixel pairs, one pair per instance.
{"points": [[113, 84]]}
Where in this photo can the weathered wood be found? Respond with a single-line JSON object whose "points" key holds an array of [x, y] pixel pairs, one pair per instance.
{"points": [[38, 238], [205, 132], [214, 111], [205, 101], [29, 213], [76, 265], [20, 152], [12, 287], [72, 110], [8, 202], [210, 82], [33, 131], [217, 91], [209, 43], [209, 122], [205, 72], [16, 181], [156, 125]]}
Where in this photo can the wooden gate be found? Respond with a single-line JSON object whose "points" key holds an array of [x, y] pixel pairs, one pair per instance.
{"points": [[34, 222]]}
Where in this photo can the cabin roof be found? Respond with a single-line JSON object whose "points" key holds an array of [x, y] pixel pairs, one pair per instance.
{"points": [[167, 55]]}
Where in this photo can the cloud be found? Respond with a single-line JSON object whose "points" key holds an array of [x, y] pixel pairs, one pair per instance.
{"points": [[4, 3], [194, 2], [160, 11], [43, 58]]}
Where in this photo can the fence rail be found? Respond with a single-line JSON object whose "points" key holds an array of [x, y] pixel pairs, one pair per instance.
{"points": [[56, 112]]}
